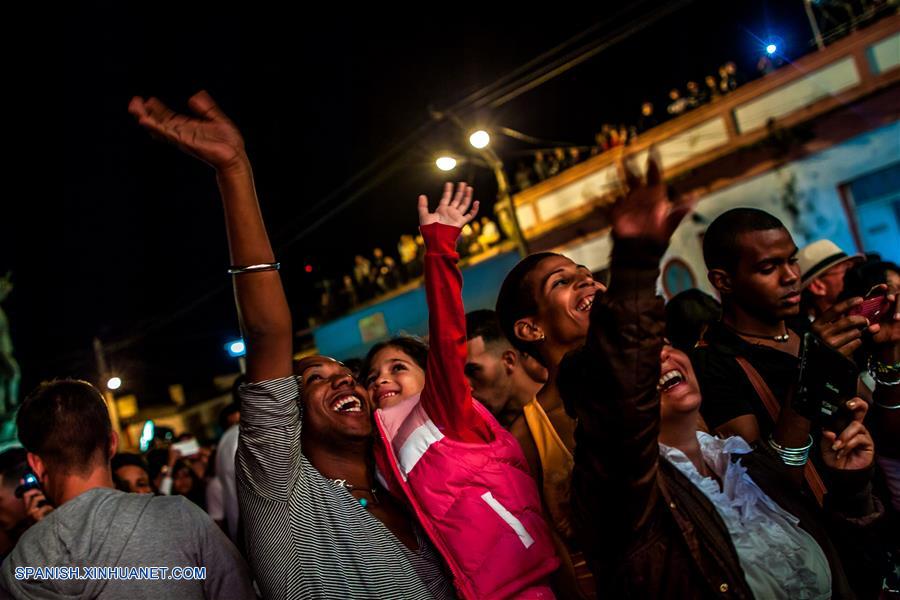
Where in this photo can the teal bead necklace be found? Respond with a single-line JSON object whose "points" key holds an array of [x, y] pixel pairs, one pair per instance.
{"points": [[350, 487]]}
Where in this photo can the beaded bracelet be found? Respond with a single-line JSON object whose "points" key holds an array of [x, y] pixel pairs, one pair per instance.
{"points": [[878, 369]]}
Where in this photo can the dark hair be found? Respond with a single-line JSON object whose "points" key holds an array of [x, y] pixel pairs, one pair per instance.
{"points": [[197, 494], [226, 412], [863, 277], [687, 315], [156, 460], [13, 466], [415, 348], [484, 323], [126, 459], [720, 246], [66, 423], [516, 300]]}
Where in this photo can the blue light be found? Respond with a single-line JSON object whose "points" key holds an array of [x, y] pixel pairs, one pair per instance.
{"points": [[236, 348], [771, 49], [147, 434]]}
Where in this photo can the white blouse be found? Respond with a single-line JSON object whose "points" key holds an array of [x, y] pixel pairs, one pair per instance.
{"points": [[779, 559]]}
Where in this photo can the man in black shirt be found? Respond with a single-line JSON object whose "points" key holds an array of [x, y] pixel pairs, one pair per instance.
{"points": [[752, 263]]}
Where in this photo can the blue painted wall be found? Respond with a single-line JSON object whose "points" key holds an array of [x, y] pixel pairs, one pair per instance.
{"points": [[408, 313]]}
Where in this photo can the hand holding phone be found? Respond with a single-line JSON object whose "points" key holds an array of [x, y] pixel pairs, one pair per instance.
{"points": [[875, 309], [29, 482]]}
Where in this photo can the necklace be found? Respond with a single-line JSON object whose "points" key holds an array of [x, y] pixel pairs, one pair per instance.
{"points": [[350, 488], [781, 339]]}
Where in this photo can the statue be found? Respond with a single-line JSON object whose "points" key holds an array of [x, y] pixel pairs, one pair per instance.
{"points": [[9, 368]]}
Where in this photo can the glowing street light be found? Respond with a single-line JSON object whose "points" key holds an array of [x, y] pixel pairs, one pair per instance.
{"points": [[480, 139], [445, 163], [771, 49], [236, 348], [114, 383]]}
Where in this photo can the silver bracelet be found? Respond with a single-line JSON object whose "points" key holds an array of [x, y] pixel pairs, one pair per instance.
{"points": [[883, 382], [234, 270], [792, 457]]}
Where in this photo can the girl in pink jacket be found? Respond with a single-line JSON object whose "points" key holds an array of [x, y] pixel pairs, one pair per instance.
{"points": [[463, 475]]}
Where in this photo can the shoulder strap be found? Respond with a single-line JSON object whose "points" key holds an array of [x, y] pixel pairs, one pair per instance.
{"points": [[813, 479], [762, 388]]}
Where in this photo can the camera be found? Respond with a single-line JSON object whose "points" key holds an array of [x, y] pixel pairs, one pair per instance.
{"points": [[827, 381]]}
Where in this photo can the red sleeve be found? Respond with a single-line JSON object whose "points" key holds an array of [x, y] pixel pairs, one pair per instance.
{"points": [[446, 397]]}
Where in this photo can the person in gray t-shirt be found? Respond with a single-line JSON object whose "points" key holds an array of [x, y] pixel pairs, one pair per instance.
{"points": [[65, 427]]}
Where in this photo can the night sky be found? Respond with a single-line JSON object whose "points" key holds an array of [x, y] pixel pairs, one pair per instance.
{"points": [[133, 248]]}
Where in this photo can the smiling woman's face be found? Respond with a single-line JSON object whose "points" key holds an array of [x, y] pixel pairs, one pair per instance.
{"points": [[678, 387], [393, 375]]}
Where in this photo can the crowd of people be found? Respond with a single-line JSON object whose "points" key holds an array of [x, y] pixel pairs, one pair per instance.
{"points": [[547, 164], [580, 441], [382, 273]]}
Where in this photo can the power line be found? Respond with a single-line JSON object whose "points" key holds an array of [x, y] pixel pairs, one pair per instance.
{"points": [[388, 162], [576, 57]]}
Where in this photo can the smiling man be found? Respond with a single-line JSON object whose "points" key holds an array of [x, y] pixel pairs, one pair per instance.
{"points": [[752, 262]]}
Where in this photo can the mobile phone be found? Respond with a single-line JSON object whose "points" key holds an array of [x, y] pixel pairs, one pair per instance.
{"points": [[28, 482], [188, 447], [827, 381], [875, 309]]}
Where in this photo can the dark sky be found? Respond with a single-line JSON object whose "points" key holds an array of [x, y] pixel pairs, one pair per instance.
{"points": [[133, 250]]}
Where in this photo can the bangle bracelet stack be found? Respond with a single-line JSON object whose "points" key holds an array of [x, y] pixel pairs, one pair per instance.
{"points": [[883, 373], [235, 270], [792, 457]]}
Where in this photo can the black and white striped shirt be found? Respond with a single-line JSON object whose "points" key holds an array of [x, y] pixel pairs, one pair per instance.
{"points": [[308, 538]]}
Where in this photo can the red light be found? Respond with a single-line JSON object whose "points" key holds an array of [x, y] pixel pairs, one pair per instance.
{"points": [[308, 268]]}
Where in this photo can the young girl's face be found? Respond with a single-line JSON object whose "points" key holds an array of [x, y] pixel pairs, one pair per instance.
{"points": [[393, 376]]}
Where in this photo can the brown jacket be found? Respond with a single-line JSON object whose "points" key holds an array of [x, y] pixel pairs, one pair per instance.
{"points": [[647, 530]]}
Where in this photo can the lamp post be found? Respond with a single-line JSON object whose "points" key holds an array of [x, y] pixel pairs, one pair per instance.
{"points": [[110, 383], [504, 208]]}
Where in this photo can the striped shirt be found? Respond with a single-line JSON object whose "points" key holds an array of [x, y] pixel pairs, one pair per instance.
{"points": [[306, 537]]}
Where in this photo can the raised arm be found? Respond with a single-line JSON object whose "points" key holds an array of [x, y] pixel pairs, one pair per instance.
{"points": [[262, 307], [446, 397], [610, 384], [269, 443]]}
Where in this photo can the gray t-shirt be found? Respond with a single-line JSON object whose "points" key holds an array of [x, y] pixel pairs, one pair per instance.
{"points": [[104, 527]]}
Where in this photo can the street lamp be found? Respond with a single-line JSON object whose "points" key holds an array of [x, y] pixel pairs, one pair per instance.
{"points": [[480, 139], [114, 383], [236, 348], [445, 163], [504, 208]]}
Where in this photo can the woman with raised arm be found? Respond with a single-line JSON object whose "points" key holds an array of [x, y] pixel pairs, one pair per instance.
{"points": [[461, 472], [664, 510], [315, 524]]}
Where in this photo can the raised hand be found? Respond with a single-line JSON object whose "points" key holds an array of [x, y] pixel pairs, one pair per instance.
{"points": [[646, 211], [451, 210], [209, 135], [853, 449]]}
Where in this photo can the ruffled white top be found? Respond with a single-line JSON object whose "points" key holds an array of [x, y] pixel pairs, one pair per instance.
{"points": [[779, 559]]}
